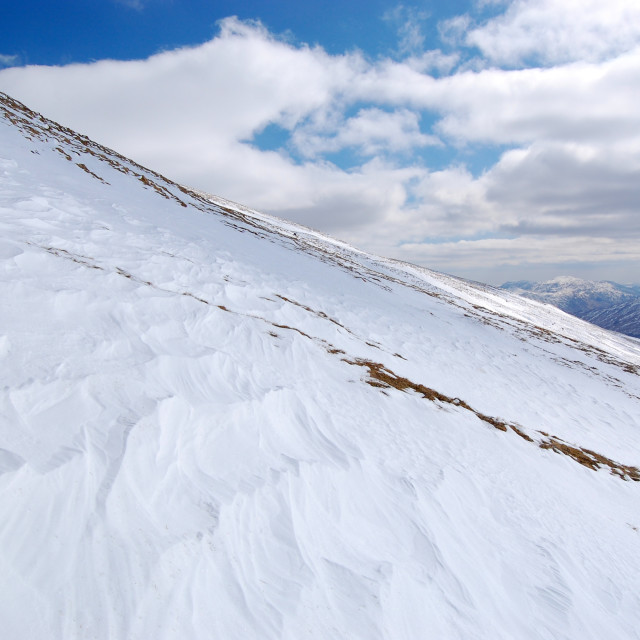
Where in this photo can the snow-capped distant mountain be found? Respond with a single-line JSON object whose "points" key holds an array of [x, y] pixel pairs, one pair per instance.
{"points": [[610, 305], [216, 424]]}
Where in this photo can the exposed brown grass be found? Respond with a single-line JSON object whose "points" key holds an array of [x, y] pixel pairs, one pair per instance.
{"points": [[383, 378], [63, 153], [159, 189], [591, 459], [67, 255], [380, 376], [319, 314], [286, 326], [191, 295], [87, 170], [521, 433]]}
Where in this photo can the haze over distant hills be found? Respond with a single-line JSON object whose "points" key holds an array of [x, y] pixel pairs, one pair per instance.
{"points": [[607, 304]]}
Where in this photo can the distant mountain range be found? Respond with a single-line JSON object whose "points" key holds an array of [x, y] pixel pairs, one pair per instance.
{"points": [[607, 304]]}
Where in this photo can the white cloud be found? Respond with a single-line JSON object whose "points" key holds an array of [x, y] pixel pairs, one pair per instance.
{"points": [[579, 101], [568, 189], [572, 102], [194, 99], [568, 171], [371, 131], [434, 60], [453, 30], [557, 31], [539, 257], [408, 21], [7, 61]]}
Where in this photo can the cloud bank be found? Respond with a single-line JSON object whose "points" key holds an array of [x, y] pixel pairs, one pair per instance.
{"points": [[516, 154]]}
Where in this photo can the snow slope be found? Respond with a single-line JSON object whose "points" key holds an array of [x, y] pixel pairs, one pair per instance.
{"points": [[215, 424]]}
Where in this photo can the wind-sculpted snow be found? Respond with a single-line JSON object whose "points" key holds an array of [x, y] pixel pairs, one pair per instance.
{"points": [[215, 424]]}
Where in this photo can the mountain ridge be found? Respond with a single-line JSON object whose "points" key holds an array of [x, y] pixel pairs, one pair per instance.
{"points": [[218, 423], [607, 304]]}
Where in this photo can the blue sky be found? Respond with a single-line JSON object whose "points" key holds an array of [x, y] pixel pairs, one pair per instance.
{"points": [[492, 139], [85, 30]]}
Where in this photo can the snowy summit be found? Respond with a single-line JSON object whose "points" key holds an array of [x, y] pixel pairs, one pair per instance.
{"points": [[217, 424]]}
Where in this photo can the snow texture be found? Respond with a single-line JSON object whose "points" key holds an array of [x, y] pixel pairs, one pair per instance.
{"points": [[216, 424]]}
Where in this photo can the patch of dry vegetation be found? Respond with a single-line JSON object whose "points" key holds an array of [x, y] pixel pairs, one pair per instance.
{"points": [[590, 459], [35, 126], [383, 378]]}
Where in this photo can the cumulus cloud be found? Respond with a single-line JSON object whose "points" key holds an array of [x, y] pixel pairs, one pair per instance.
{"points": [[408, 22], [556, 31], [453, 30], [584, 101], [564, 141], [567, 189], [371, 131]]}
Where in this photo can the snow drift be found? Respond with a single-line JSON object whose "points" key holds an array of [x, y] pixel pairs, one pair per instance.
{"points": [[216, 424]]}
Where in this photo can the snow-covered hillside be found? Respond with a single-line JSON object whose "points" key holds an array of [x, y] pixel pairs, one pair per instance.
{"points": [[215, 424], [610, 305]]}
